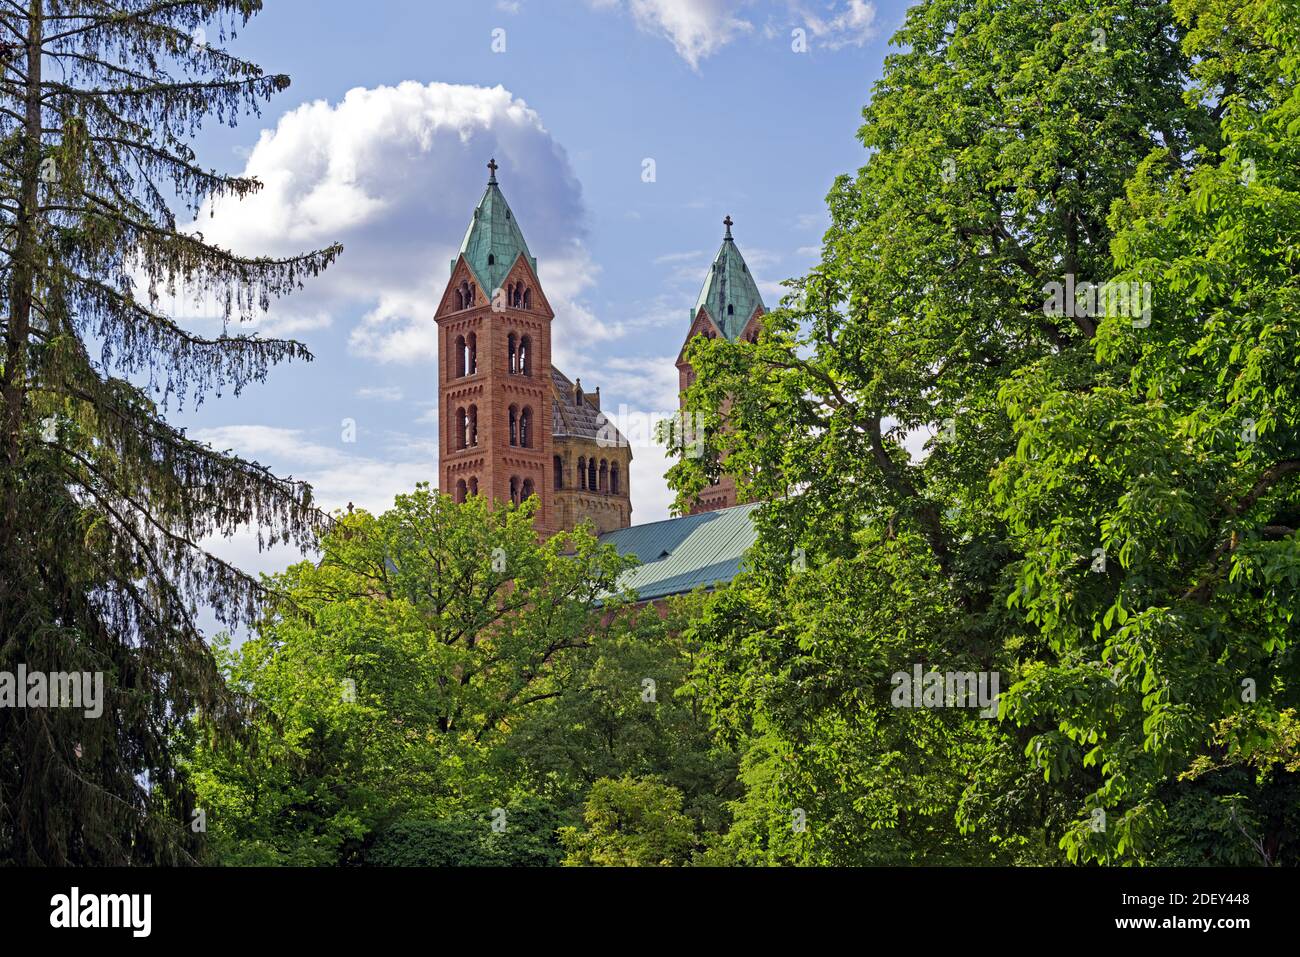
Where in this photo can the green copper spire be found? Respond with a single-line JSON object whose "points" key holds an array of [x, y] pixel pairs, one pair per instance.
{"points": [[493, 241], [730, 295]]}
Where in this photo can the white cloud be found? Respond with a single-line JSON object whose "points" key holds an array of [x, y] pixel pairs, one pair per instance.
{"points": [[368, 474], [648, 381], [850, 24], [696, 28], [651, 497], [638, 392], [758, 258], [394, 173], [365, 473]]}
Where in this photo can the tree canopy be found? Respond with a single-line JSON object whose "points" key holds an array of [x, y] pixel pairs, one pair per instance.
{"points": [[104, 507], [1025, 440], [1104, 510]]}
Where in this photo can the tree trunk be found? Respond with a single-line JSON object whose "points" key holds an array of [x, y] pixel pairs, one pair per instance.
{"points": [[13, 387]]}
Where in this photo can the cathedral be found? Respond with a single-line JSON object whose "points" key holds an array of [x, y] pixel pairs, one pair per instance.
{"points": [[512, 425]]}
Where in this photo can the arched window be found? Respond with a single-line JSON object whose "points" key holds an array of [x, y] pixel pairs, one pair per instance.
{"points": [[473, 486], [582, 472], [514, 489], [591, 475], [559, 472], [460, 356], [471, 354], [526, 428], [514, 425], [529, 489], [604, 476], [512, 354], [613, 478], [461, 428], [464, 295], [528, 299], [492, 260], [473, 426], [731, 310], [461, 490], [525, 356]]}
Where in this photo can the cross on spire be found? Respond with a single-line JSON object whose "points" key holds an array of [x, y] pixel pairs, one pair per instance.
{"points": [[728, 223], [492, 170]]}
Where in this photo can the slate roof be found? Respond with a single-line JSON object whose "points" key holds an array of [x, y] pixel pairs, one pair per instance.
{"points": [[680, 554], [729, 283], [582, 420], [494, 235]]}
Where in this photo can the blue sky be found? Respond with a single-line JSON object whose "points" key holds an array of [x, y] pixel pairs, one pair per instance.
{"points": [[381, 144]]}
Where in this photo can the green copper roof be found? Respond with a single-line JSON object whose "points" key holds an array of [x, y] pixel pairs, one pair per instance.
{"points": [[729, 292], [680, 554], [493, 241]]}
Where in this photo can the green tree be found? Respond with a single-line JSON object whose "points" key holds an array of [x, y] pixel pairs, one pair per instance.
{"points": [[103, 505], [526, 835], [388, 675], [627, 709], [1084, 509], [631, 822], [1179, 458]]}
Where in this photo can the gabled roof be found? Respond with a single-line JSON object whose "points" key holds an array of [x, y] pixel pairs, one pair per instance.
{"points": [[730, 294], [579, 419], [493, 240], [680, 554]]}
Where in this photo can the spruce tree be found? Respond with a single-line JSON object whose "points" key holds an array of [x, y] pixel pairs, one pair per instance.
{"points": [[104, 506]]}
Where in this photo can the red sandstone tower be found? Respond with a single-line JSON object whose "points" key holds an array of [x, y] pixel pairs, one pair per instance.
{"points": [[510, 424], [729, 305], [494, 364]]}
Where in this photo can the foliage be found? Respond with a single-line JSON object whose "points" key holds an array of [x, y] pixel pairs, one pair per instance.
{"points": [[103, 505], [388, 676], [1104, 512], [630, 822], [1175, 459], [968, 463], [529, 839], [627, 710]]}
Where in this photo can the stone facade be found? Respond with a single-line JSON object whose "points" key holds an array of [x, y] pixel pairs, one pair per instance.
{"points": [[510, 424], [591, 465], [728, 287]]}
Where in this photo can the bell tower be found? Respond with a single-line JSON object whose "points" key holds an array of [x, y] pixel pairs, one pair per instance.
{"points": [[494, 366], [729, 305]]}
